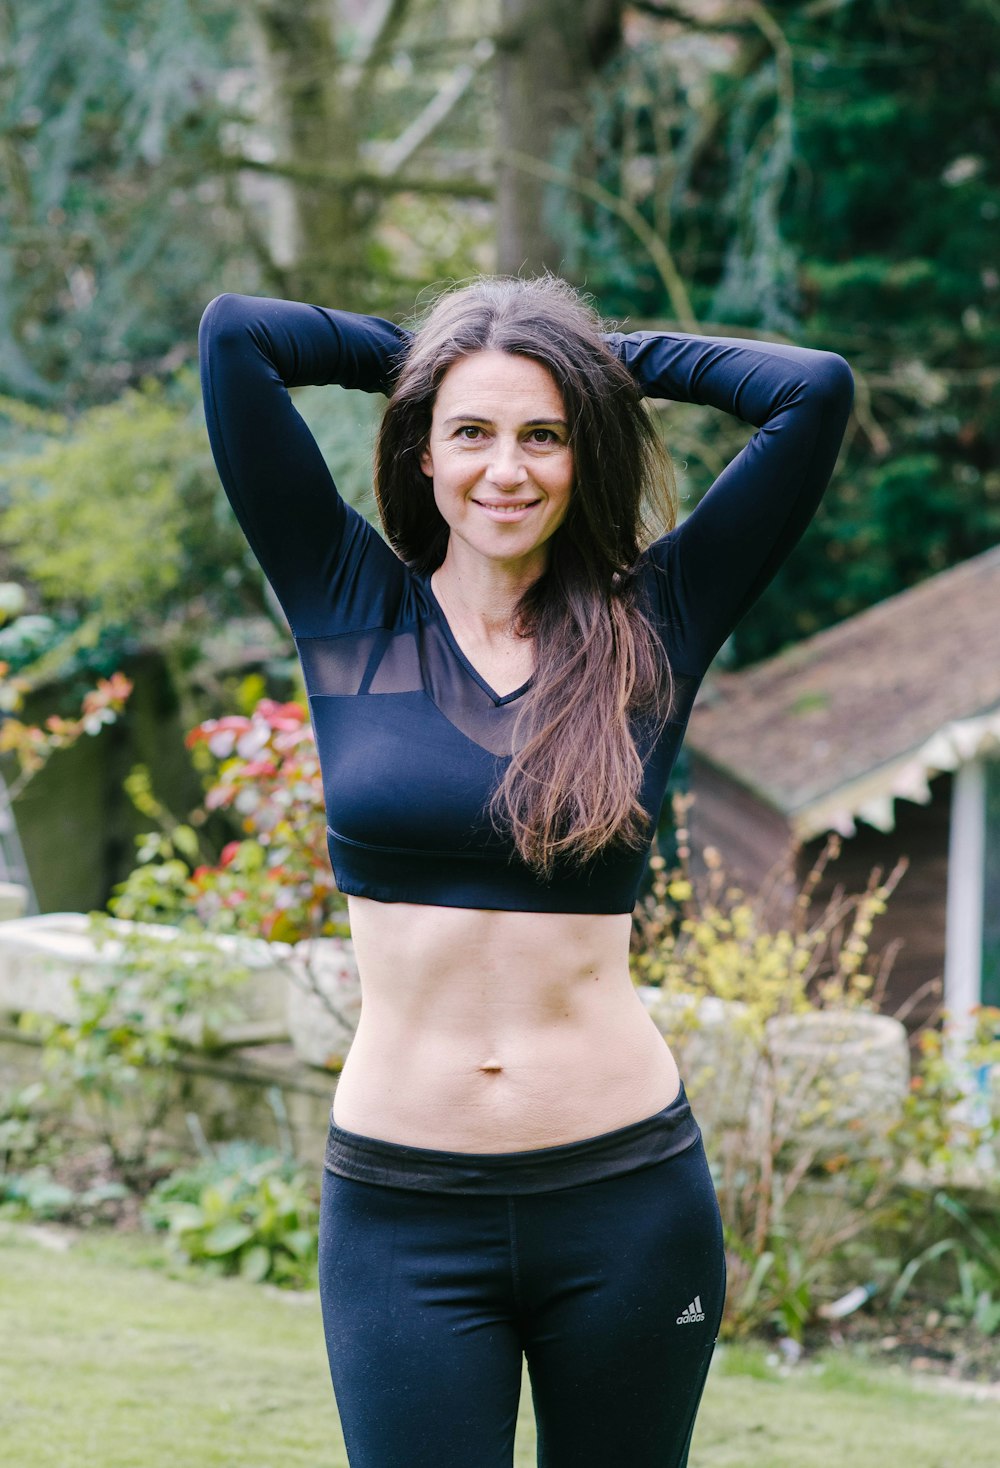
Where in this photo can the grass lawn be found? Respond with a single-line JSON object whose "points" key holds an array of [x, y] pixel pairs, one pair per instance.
{"points": [[109, 1362]]}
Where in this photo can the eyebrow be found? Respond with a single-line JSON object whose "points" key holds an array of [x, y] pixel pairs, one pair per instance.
{"points": [[531, 422]]}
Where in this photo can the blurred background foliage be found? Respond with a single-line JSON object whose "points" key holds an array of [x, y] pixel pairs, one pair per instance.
{"points": [[824, 171]]}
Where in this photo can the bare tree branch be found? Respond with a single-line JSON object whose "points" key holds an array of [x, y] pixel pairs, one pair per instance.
{"points": [[380, 43], [689, 16], [396, 154], [875, 433], [766, 23], [658, 251], [362, 178]]}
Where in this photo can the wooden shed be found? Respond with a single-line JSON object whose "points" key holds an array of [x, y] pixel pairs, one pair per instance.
{"points": [[885, 728]]}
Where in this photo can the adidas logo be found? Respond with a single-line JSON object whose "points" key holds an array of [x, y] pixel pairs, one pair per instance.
{"points": [[693, 1313]]}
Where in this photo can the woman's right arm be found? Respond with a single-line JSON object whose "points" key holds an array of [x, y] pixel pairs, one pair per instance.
{"points": [[318, 553]]}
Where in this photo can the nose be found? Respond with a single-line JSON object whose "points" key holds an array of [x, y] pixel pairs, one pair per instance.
{"points": [[506, 466]]}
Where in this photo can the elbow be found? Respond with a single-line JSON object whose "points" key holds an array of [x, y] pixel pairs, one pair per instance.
{"points": [[832, 382], [224, 322]]}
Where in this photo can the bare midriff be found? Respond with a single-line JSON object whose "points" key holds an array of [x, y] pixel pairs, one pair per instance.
{"points": [[489, 1031]]}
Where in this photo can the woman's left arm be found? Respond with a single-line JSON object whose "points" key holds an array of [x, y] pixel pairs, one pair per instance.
{"points": [[722, 556]]}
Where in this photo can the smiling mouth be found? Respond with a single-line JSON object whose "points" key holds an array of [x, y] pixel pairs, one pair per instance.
{"points": [[504, 507]]}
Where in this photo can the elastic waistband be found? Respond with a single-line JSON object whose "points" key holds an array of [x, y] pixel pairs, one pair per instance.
{"points": [[537, 1170]]}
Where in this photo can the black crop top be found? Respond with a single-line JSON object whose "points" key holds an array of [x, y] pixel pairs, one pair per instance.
{"points": [[411, 739]]}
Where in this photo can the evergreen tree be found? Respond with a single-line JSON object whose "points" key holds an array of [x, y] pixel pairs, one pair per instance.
{"points": [[827, 172]]}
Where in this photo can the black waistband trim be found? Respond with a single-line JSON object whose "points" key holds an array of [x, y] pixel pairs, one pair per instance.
{"points": [[481, 879], [537, 1170]]}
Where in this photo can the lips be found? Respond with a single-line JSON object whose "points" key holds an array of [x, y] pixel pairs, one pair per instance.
{"points": [[507, 509]]}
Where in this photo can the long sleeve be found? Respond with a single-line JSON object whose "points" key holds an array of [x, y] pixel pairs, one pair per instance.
{"points": [[722, 556], [324, 561]]}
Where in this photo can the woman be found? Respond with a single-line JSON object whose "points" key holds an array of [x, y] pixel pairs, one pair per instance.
{"points": [[512, 1164]]}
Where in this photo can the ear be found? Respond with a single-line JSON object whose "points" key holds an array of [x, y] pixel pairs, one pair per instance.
{"points": [[426, 464]]}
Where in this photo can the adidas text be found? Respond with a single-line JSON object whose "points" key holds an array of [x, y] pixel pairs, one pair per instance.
{"points": [[692, 1314]]}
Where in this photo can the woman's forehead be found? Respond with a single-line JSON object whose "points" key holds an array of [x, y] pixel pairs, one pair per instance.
{"points": [[501, 380]]}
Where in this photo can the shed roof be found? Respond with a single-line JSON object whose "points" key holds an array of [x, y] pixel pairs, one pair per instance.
{"points": [[840, 725]]}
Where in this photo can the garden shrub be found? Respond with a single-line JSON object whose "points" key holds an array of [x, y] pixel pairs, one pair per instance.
{"points": [[275, 882], [708, 937], [244, 1209], [974, 1251], [799, 1207], [136, 1014], [34, 1145]]}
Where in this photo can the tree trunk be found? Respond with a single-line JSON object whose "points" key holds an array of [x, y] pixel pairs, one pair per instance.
{"points": [[317, 229], [549, 52]]}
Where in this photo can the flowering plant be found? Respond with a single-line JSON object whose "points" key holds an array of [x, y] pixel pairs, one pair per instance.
{"points": [[279, 874], [708, 937], [33, 744]]}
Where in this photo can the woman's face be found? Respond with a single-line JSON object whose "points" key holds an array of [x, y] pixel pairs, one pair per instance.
{"points": [[499, 456]]}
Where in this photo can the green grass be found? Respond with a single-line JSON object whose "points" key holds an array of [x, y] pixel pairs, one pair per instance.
{"points": [[109, 1362]]}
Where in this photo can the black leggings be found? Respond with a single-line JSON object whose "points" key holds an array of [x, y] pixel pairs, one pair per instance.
{"points": [[612, 1289]]}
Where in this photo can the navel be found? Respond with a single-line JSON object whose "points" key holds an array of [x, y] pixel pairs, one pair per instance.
{"points": [[491, 1065]]}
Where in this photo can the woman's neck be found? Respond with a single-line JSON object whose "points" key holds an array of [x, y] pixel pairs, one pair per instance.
{"points": [[482, 595]]}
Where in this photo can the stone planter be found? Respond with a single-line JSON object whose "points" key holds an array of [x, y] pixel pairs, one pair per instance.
{"points": [[840, 1076], [40, 956], [323, 1000], [715, 1052]]}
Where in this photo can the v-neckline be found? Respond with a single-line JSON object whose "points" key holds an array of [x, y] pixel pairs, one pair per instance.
{"points": [[498, 698]]}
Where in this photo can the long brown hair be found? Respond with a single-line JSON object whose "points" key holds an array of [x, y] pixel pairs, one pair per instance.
{"points": [[573, 782]]}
